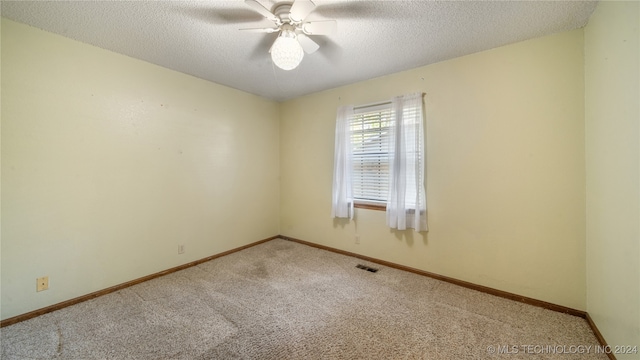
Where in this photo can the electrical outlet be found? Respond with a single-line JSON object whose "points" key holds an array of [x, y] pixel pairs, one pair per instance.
{"points": [[42, 283], [357, 239], [180, 249]]}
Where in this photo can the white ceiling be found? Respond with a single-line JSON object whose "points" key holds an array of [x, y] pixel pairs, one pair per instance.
{"points": [[374, 38]]}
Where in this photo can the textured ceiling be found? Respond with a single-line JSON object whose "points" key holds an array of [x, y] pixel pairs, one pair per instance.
{"points": [[374, 38]]}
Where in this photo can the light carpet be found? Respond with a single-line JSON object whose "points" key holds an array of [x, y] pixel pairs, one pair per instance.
{"points": [[284, 300]]}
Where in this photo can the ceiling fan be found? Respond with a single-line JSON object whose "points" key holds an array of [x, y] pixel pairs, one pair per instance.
{"points": [[293, 40]]}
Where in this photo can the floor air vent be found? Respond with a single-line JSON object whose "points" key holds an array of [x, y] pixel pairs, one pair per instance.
{"points": [[365, 267]]}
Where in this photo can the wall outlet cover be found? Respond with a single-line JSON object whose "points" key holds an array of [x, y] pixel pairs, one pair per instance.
{"points": [[42, 283]]}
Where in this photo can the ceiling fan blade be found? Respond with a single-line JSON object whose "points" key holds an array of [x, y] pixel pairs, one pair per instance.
{"points": [[300, 9], [326, 27], [264, 45], [262, 10], [261, 30], [309, 46]]}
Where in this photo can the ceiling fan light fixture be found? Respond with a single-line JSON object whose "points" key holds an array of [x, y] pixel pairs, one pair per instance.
{"points": [[287, 52]]}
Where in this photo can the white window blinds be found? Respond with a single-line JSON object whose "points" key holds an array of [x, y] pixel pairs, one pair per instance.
{"points": [[369, 133]]}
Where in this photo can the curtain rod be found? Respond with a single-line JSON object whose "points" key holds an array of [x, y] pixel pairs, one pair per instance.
{"points": [[360, 107]]}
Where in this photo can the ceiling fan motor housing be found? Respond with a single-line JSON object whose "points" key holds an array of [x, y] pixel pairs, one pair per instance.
{"points": [[282, 12]]}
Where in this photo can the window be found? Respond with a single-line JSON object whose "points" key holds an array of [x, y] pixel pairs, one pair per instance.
{"points": [[370, 129], [379, 161]]}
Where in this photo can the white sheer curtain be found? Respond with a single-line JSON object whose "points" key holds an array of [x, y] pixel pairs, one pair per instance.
{"points": [[406, 204], [342, 201]]}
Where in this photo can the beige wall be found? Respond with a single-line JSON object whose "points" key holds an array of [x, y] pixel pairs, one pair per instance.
{"points": [[612, 80], [108, 163], [505, 170]]}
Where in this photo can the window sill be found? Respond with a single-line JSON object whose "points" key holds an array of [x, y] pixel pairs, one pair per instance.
{"points": [[370, 207], [377, 207]]}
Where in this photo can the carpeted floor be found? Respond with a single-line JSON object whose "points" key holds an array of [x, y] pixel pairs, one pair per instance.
{"points": [[284, 300]]}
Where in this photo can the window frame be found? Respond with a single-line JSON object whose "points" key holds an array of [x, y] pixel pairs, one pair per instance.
{"points": [[384, 109]]}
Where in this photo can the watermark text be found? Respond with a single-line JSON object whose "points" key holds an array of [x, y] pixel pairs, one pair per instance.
{"points": [[562, 349]]}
